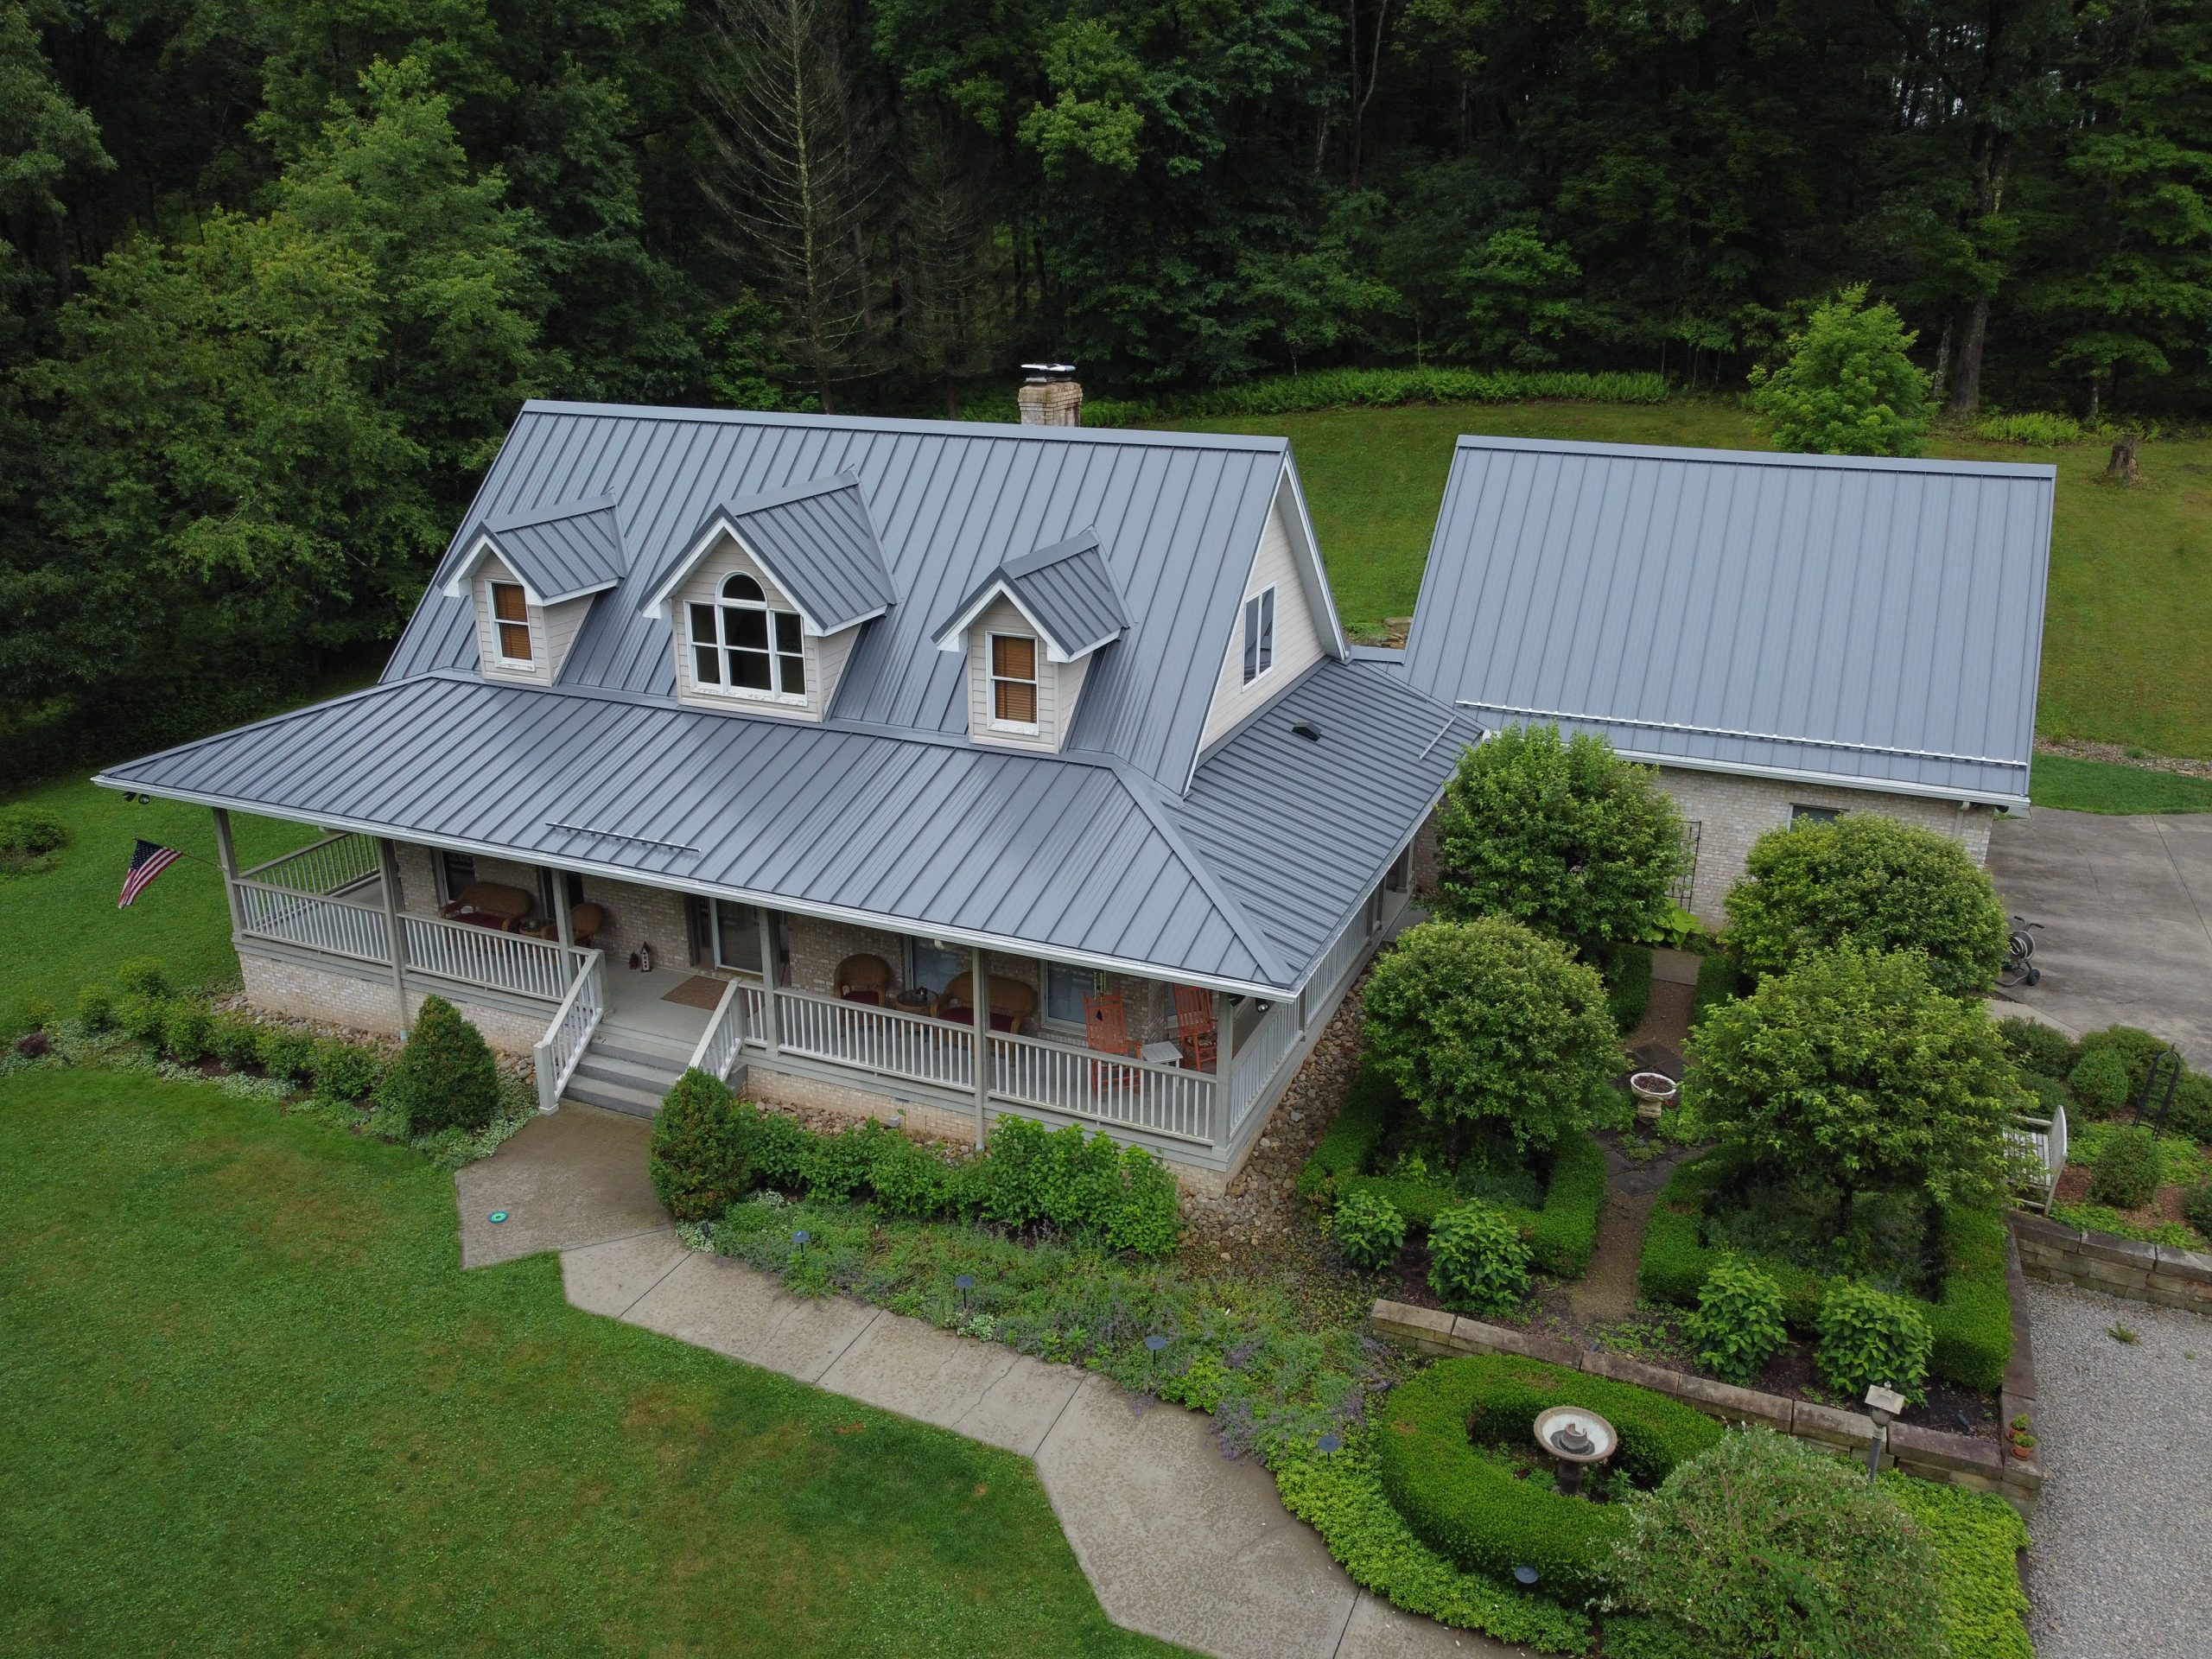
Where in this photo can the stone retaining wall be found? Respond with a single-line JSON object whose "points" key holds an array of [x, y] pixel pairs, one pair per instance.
{"points": [[1955, 1460], [2119, 1267]]}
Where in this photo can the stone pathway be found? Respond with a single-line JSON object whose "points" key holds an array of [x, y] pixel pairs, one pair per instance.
{"points": [[1178, 1542]]}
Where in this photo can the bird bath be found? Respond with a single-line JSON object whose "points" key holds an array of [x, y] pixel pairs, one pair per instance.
{"points": [[1577, 1439]]}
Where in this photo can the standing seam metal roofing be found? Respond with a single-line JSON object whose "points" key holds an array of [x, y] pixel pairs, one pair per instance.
{"points": [[1876, 622], [817, 542], [1065, 590], [561, 552], [1178, 518]]}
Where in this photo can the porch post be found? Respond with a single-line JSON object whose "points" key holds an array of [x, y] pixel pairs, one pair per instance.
{"points": [[568, 932], [981, 978], [773, 1015], [227, 855], [388, 873]]}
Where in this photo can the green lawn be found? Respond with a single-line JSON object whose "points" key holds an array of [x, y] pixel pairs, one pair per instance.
{"points": [[2098, 786], [60, 929], [251, 1406], [2130, 601]]}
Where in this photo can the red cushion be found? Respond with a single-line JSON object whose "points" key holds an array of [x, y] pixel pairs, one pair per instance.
{"points": [[874, 998]]}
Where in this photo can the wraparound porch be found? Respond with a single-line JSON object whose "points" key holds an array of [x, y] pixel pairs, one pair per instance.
{"points": [[336, 908]]}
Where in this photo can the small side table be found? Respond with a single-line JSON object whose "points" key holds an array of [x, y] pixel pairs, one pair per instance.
{"points": [[1162, 1053]]}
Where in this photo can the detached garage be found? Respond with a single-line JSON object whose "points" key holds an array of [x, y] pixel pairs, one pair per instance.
{"points": [[1781, 635]]}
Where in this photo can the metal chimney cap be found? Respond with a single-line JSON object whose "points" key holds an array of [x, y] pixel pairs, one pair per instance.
{"points": [[1041, 372]]}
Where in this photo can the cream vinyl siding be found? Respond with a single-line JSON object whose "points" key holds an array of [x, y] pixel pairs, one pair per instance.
{"points": [[544, 665], [1298, 639], [825, 658], [1059, 684]]}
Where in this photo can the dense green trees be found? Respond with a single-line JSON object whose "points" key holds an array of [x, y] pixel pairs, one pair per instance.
{"points": [[275, 275]]}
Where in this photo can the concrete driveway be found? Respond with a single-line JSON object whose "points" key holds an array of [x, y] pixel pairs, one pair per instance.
{"points": [[2125, 906]]}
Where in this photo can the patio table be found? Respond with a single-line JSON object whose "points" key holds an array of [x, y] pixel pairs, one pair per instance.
{"points": [[1162, 1053]]}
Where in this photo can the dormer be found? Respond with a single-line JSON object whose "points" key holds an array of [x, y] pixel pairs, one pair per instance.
{"points": [[768, 600], [1030, 630], [530, 577]]}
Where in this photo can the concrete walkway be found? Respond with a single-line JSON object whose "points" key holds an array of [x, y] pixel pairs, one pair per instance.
{"points": [[2125, 905], [1178, 1541]]}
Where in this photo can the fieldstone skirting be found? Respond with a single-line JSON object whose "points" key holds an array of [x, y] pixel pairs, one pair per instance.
{"points": [[2118, 1267], [1954, 1459]]}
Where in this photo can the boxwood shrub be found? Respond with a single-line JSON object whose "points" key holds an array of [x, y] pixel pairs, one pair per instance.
{"points": [[1351, 1138], [1971, 1322], [1474, 1510]]}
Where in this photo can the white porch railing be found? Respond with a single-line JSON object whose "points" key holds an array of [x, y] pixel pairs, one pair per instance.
{"points": [[336, 925], [1344, 951], [2039, 1144], [718, 1045], [483, 955], [1104, 1088], [557, 1053], [1259, 1053], [327, 866], [882, 1040], [455, 950]]}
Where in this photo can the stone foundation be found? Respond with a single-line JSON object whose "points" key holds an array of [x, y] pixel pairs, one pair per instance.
{"points": [[280, 985]]}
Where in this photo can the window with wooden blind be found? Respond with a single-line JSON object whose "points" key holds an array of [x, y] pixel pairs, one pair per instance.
{"points": [[510, 618], [1013, 682]]}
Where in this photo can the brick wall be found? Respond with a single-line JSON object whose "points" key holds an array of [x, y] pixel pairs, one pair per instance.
{"points": [[1733, 813], [281, 985]]}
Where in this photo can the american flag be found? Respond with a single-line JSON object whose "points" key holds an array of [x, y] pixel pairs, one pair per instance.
{"points": [[147, 861]]}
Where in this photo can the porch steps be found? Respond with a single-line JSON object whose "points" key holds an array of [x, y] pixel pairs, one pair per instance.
{"points": [[627, 1071]]}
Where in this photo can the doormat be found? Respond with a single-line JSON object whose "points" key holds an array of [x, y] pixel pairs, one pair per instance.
{"points": [[697, 992]]}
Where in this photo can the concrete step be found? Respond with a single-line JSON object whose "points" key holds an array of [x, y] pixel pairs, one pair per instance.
{"points": [[643, 1047], [617, 1066], [615, 1096]]}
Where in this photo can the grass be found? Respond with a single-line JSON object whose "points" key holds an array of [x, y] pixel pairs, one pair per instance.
{"points": [[62, 926], [2074, 786], [2130, 597], [252, 1407]]}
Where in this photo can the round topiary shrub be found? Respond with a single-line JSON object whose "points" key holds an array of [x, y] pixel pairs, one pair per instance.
{"points": [[1478, 1262], [96, 1007], [1872, 881], [143, 1018], [1492, 1029], [698, 1163], [1868, 1337], [446, 1076], [2034, 1046], [2125, 1173], [287, 1054], [2190, 1114], [1737, 1326], [1475, 1510], [1368, 1231], [2136, 1048], [1764, 1548], [143, 976], [2100, 1081], [187, 1032]]}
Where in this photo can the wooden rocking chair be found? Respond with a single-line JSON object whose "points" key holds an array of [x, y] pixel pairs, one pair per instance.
{"points": [[1195, 1029]]}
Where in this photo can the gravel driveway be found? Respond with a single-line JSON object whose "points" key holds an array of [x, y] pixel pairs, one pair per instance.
{"points": [[2117, 1570]]}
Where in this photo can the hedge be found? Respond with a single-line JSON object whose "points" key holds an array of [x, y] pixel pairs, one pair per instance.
{"points": [[1289, 394], [1475, 1511], [1351, 1139], [1972, 1323]]}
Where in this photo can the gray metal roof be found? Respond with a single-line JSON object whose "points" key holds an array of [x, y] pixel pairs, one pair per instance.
{"points": [[562, 551], [1083, 858], [1179, 516], [1876, 623], [1067, 589], [816, 541]]}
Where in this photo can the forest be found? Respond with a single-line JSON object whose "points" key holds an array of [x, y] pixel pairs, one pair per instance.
{"points": [[278, 272]]}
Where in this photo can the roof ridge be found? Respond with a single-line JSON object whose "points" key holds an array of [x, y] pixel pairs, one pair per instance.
{"points": [[1003, 431], [1151, 798], [744, 506], [526, 518], [1935, 465], [1042, 558]]}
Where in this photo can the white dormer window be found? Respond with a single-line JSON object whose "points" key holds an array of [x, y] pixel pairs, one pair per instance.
{"points": [[511, 620], [1259, 634], [1013, 682], [745, 647]]}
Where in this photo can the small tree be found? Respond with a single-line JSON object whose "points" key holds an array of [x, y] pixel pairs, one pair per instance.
{"points": [[1764, 1548], [1484, 1025], [1564, 835], [1848, 386], [445, 1077], [699, 1163], [1869, 881], [1851, 1071]]}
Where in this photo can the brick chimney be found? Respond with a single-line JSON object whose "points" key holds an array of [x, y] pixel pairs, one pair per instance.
{"points": [[1050, 397]]}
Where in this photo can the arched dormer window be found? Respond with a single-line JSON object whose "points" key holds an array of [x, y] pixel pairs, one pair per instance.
{"points": [[746, 647]]}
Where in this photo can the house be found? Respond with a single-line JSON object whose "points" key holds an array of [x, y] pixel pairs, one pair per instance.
{"points": [[1783, 636], [904, 768]]}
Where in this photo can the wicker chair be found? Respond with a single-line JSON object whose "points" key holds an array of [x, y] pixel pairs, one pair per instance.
{"points": [[862, 978], [488, 904], [1013, 1003], [586, 922]]}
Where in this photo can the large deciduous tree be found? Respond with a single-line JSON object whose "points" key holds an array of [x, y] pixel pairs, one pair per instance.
{"points": [[1847, 384], [1854, 1072]]}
